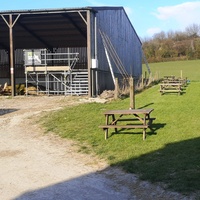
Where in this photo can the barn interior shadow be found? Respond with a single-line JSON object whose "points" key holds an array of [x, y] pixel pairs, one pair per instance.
{"points": [[181, 174]]}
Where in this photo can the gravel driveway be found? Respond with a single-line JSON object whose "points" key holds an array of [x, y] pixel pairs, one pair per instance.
{"points": [[38, 166]]}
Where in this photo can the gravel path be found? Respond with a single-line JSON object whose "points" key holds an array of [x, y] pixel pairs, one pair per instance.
{"points": [[38, 166]]}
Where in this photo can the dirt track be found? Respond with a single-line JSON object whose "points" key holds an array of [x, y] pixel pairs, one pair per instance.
{"points": [[38, 166]]}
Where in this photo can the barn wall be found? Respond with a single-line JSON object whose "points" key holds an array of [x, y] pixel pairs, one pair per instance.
{"points": [[116, 25]]}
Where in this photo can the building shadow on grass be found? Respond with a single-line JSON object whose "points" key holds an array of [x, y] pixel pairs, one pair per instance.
{"points": [[175, 166], [7, 111], [96, 186]]}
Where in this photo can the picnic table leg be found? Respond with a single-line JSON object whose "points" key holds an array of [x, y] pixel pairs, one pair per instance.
{"points": [[113, 119], [106, 129], [106, 133], [179, 90], [144, 133], [144, 129], [161, 89]]}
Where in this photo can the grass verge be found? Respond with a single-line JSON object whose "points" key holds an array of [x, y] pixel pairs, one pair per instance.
{"points": [[171, 156]]}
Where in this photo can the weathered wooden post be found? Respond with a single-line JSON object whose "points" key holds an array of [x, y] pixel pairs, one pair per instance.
{"points": [[142, 82], [116, 89], [156, 78], [132, 93], [145, 78]]}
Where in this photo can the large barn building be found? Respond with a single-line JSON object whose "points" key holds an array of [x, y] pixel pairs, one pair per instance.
{"points": [[77, 51]]}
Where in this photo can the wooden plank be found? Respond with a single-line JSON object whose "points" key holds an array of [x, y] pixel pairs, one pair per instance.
{"points": [[123, 126], [130, 111], [170, 84], [170, 90], [135, 119], [89, 53], [46, 68], [132, 93]]}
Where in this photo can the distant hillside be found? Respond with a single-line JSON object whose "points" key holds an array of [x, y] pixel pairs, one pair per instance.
{"points": [[173, 46]]}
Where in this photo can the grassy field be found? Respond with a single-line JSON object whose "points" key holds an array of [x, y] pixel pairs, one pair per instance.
{"points": [[189, 69], [171, 155]]}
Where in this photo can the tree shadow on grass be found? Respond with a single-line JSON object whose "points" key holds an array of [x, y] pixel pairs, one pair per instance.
{"points": [[149, 104], [176, 166]]}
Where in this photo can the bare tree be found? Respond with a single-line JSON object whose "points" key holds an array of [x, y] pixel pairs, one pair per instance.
{"points": [[193, 30], [159, 36]]}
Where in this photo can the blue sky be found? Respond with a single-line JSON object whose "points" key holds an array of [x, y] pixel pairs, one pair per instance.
{"points": [[147, 16]]}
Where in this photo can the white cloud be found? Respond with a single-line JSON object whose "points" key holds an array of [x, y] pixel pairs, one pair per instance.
{"points": [[152, 31], [184, 14]]}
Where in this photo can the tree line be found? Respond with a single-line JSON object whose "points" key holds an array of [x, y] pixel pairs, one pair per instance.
{"points": [[173, 45]]}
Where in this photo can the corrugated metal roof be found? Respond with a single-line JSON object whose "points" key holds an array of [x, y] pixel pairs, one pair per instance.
{"points": [[50, 10], [45, 28], [54, 10]]}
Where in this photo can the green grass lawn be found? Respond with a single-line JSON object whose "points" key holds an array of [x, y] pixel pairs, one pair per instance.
{"points": [[171, 155], [189, 69]]}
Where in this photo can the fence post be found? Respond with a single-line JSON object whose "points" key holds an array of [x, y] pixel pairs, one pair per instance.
{"points": [[142, 82], [145, 78], [132, 93], [116, 89]]}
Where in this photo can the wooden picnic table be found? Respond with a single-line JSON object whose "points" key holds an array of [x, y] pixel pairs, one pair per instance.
{"points": [[171, 77], [171, 87], [137, 118], [172, 84]]}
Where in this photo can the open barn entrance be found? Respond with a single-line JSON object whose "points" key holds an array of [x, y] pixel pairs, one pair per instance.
{"points": [[62, 39]]}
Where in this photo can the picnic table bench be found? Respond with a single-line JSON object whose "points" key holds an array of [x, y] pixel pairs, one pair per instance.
{"points": [[137, 118]]}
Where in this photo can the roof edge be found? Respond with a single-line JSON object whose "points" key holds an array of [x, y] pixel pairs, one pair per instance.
{"points": [[45, 11]]}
